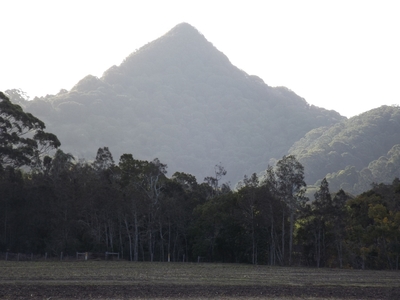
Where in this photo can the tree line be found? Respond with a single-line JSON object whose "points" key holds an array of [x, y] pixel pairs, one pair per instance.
{"points": [[55, 203]]}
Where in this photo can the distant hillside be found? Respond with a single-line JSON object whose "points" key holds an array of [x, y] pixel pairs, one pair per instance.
{"points": [[180, 99], [353, 153]]}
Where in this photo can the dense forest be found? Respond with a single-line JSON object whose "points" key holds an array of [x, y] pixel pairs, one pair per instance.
{"points": [[354, 153], [52, 203]]}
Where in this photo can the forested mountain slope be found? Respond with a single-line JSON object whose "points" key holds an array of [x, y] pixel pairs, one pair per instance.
{"points": [[180, 99], [354, 153]]}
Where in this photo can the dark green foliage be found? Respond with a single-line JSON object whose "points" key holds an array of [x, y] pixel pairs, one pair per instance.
{"points": [[22, 139], [361, 232], [374, 224], [290, 188], [135, 209], [321, 228]]}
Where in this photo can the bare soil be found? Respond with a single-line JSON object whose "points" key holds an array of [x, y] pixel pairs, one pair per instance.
{"points": [[38, 291], [125, 280]]}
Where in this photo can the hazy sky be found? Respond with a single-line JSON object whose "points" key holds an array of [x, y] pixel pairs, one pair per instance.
{"points": [[341, 55]]}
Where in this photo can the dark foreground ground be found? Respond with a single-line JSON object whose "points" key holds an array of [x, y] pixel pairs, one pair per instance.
{"points": [[192, 291], [126, 280]]}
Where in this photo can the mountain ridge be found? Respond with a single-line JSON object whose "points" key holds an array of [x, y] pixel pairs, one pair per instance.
{"points": [[353, 154], [180, 99]]}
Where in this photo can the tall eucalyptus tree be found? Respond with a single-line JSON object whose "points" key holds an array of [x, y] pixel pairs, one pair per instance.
{"points": [[291, 188]]}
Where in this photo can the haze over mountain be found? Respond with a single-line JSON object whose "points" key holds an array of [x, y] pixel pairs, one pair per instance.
{"points": [[354, 153], [180, 99]]}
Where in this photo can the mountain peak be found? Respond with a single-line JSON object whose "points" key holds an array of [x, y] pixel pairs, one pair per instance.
{"points": [[185, 33], [180, 99], [182, 48], [183, 28]]}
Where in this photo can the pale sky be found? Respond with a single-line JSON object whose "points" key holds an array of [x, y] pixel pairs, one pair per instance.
{"points": [[341, 55]]}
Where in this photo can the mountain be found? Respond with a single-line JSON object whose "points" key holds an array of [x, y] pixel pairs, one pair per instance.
{"points": [[180, 99], [354, 153]]}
